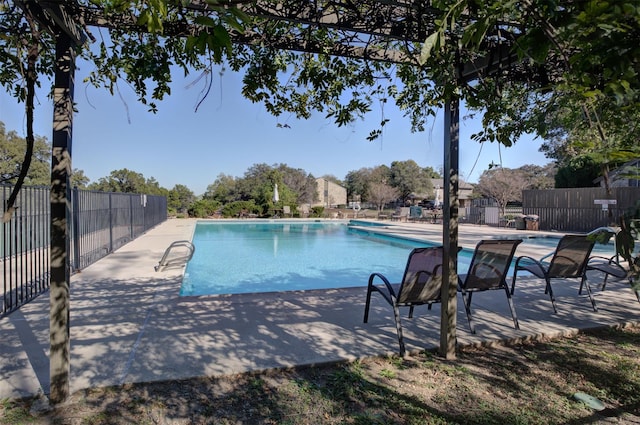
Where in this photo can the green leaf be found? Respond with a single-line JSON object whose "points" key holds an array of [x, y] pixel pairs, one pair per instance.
{"points": [[206, 21], [625, 245], [429, 44], [144, 18]]}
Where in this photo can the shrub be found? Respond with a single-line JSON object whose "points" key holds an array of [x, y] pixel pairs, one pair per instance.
{"points": [[316, 212], [234, 209], [203, 208]]}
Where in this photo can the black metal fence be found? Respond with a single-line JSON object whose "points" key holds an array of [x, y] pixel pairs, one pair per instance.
{"points": [[103, 222], [100, 223]]}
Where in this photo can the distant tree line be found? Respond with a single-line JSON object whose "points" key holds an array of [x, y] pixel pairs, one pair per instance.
{"points": [[399, 182], [505, 185]]}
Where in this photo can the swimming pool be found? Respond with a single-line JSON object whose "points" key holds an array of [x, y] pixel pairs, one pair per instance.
{"points": [[245, 257], [257, 256]]}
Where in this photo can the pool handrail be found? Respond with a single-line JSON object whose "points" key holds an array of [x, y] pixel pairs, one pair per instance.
{"points": [[165, 261]]}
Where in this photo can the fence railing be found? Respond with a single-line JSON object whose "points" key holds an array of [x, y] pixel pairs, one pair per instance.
{"points": [[100, 223], [103, 222], [24, 246]]}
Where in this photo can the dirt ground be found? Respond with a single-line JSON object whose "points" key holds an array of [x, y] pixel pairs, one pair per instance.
{"points": [[544, 382]]}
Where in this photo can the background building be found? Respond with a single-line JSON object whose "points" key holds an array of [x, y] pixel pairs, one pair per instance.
{"points": [[330, 194], [628, 175]]}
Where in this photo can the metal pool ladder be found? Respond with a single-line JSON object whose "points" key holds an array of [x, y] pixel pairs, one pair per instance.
{"points": [[183, 252]]}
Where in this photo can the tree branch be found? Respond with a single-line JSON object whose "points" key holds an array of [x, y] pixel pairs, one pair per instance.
{"points": [[32, 76]]}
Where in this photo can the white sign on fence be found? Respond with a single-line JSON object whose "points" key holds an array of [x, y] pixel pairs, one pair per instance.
{"points": [[605, 203]]}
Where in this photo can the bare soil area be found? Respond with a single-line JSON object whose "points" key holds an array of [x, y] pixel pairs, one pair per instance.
{"points": [[529, 383]]}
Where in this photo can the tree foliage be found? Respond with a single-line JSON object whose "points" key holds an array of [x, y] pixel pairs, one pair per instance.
{"points": [[222, 190], [574, 145], [78, 179], [401, 179], [302, 184], [381, 193], [579, 171], [581, 90], [180, 198], [409, 178], [126, 181], [539, 177], [357, 181], [578, 56], [12, 151], [295, 187], [502, 185], [203, 208], [572, 72]]}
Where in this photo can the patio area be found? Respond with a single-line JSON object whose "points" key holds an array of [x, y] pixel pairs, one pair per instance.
{"points": [[128, 323]]}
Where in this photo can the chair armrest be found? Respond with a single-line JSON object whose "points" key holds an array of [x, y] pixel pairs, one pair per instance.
{"points": [[608, 266], [529, 260], [386, 282], [610, 260], [541, 270]]}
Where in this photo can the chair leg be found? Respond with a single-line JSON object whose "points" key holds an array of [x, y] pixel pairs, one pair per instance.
{"points": [[396, 314], [549, 291], [411, 312], [634, 291], [466, 299], [602, 287], [513, 281], [512, 307], [604, 282], [367, 304], [585, 282]]}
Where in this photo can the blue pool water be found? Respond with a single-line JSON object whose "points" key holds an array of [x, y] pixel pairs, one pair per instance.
{"points": [[243, 257], [246, 257]]}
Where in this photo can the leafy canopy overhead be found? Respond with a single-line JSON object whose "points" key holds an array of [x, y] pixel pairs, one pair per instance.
{"points": [[521, 65]]}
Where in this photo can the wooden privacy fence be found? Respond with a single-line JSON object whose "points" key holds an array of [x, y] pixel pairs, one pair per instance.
{"points": [[578, 209]]}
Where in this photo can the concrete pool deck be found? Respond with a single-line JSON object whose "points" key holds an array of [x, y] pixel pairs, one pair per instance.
{"points": [[129, 325]]}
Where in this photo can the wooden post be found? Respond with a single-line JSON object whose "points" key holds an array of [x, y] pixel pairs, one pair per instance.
{"points": [[60, 223], [450, 230]]}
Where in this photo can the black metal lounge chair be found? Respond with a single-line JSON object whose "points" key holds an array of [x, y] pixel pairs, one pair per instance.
{"points": [[609, 267], [420, 285], [488, 271], [568, 261]]}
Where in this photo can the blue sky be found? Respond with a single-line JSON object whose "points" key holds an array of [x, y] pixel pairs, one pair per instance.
{"points": [[228, 134]]}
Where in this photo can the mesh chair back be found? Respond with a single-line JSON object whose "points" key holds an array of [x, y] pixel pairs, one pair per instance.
{"points": [[422, 277], [490, 264], [571, 256]]}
